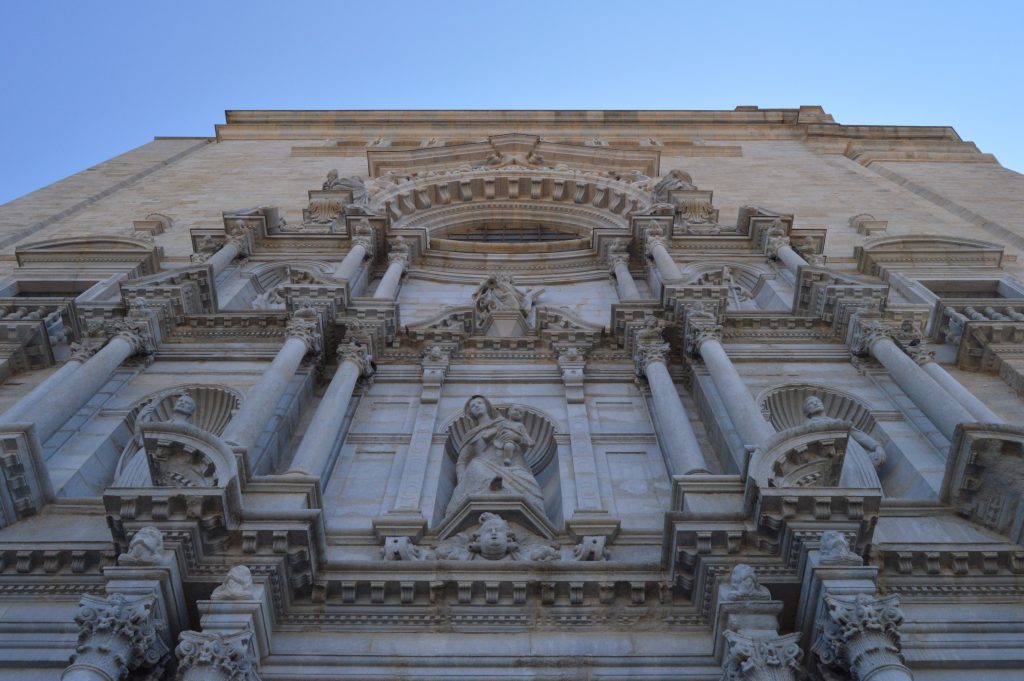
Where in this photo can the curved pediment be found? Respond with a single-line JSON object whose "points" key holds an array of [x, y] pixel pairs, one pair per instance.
{"points": [[102, 252], [908, 252]]}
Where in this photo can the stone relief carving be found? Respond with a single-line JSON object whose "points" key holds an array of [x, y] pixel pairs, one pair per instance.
{"points": [[498, 294], [858, 634], [237, 585], [591, 548], [205, 656], [117, 635], [491, 458], [762, 659], [145, 548], [835, 549], [403, 548], [744, 586], [495, 540], [814, 410], [676, 179], [985, 477]]}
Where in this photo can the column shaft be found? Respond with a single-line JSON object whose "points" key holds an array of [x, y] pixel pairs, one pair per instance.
{"points": [[261, 399], [348, 267], [23, 409], [410, 487], [937, 404], [961, 394], [743, 412], [624, 283], [388, 287], [666, 265], [683, 456], [79, 386], [314, 452], [223, 257], [791, 259]]}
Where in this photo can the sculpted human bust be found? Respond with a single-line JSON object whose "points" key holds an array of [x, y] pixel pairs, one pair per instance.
{"points": [[491, 458], [814, 410]]}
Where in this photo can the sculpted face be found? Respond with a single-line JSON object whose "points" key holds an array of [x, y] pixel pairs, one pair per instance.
{"points": [[813, 406], [493, 541], [185, 405], [477, 407], [515, 413]]}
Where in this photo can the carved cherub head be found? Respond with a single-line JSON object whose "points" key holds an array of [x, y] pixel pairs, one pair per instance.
{"points": [[743, 584], [494, 540], [515, 413]]}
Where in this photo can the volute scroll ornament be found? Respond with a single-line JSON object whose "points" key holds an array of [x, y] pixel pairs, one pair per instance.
{"points": [[762, 659], [117, 635], [204, 656], [859, 634]]}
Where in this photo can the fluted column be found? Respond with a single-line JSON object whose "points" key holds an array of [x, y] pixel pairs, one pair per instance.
{"points": [[74, 384], [398, 262], [624, 284], [318, 444], [965, 397], [703, 337], [937, 404], [860, 636], [261, 399], [663, 261], [682, 450]]}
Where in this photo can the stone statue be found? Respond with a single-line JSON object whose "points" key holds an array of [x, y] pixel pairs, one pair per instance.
{"points": [[744, 585], [498, 293], [676, 179], [491, 458], [495, 540], [814, 410], [237, 585], [835, 549], [145, 548], [184, 408]]}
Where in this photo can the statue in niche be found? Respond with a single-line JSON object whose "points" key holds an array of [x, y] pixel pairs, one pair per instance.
{"points": [[491, 459], [814, 410], [497, 293], [495, 540]]}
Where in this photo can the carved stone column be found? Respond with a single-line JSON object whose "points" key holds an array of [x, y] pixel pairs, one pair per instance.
{"points": [[206, 656], [618, 263], [77, 385], [667, 267], [588, 497], [398, 263], [938, 405], [25, 408], [315, 452], [261, 400], [406, 517], [703, 337], [117, 635], [977, 408], [777, 247], [682, 450], [860, 636], [348, 268], [238, 243]]}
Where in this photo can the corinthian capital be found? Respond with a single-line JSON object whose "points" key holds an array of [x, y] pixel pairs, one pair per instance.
{"points": [[860, 634], [774, 244], [762, 659], [358, 355], [135, 332], [649, 353], [215, 657], [400, 253], [116, 634], [241, 235], [305, 326], [866, 332], [701, 325]]}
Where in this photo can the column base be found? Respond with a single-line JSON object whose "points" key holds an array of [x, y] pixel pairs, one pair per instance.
{"points": [[592, 523]]}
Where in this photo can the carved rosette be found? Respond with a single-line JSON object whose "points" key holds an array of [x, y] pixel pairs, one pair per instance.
{"points": [[215, 657], [117, 634], [306, 328], [860, 634], [358, 355], [762, 659]]}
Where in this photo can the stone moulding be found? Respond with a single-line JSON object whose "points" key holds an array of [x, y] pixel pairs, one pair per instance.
{"points": [[26, 485], [807, 455]]}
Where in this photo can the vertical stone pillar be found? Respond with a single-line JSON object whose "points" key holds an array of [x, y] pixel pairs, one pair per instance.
{"points": [[703, 336], [937, 404], [238, 243], [349, 266], [588, 496], [77, 383], [25, 408], [681, 448], [261, 400], [406, 519], [860, 634], [313, 456], [398, 262], [618, 265], [667, 268], [977, 408]]}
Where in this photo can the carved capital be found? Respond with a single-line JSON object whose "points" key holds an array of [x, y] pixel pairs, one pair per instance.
{"points": [[774, 243], [616, 259], [649, 353], [864, 333], [353, 352], [215, 657], [920, 355], [136, 333], [306, 327], [859, 633], [241, 235], [117, 634], [653, 242], [762, 659], [399, 253], [700, 331], [82, 351]]}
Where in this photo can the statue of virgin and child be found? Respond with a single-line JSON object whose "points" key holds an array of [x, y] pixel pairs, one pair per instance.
{"points": [[491, 457]]}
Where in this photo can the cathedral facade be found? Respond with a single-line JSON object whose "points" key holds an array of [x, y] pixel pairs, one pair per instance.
{"points": [[516, 395]]}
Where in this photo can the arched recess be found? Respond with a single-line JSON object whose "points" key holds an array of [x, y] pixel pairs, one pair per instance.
{"points": [[215, 405], [783, 406], [542, 457]]}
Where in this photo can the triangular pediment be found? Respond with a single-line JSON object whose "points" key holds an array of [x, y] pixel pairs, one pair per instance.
{"points": [[516, 149]]}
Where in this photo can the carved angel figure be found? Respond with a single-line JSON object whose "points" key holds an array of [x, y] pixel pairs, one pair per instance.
{"points": [[491, 458], [495, 540], [497, 292]]}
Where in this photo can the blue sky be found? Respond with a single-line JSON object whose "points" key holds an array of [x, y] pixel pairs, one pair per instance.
{"points": [[84, 81]]}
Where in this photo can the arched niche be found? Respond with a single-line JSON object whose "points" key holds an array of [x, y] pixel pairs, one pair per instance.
{"points": [[215, 405], [541, 459], [925, 252], [783, 406]]}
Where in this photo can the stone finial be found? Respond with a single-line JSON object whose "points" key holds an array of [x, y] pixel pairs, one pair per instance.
{"points": [[762, 659], [237, 586], [206, 656], [117, 635], [744, 586], [860, 634], [145, 548], [836, 550]]}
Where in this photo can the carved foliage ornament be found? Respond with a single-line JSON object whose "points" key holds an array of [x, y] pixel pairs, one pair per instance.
{"points": [[206, 656], [860, 632], [762, 659], [117, 634]]}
